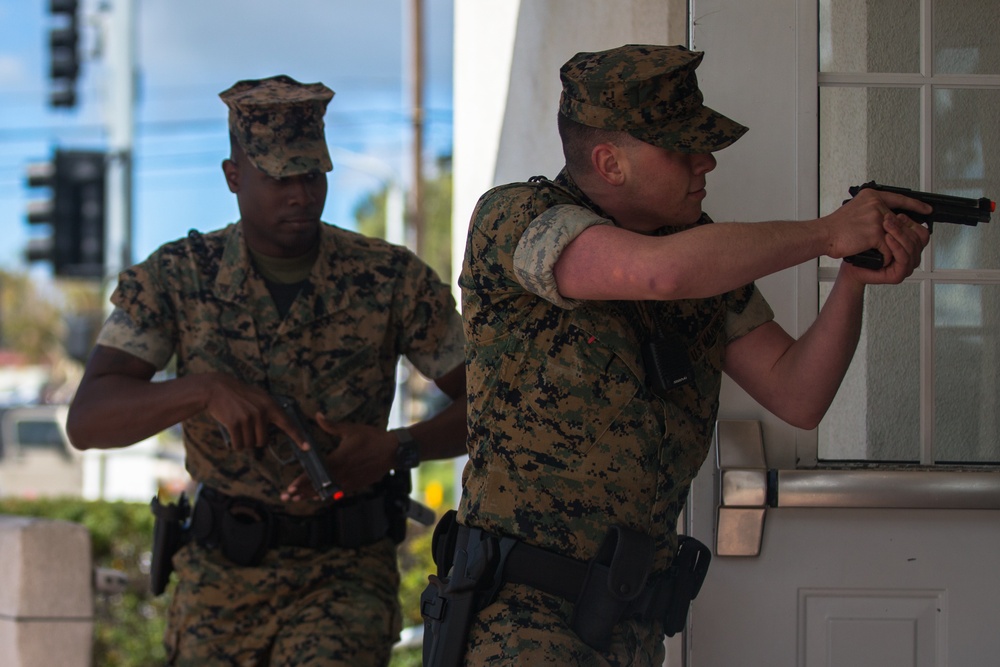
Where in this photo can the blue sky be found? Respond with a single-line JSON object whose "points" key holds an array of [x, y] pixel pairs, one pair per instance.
{"points": [[190, 50]]}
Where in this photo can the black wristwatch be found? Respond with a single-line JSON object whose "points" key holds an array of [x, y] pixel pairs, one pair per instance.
{"points": [[407, 453]]}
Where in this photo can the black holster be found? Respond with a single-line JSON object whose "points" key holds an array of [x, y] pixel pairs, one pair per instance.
{"points": [[617, 586], [615, 578], [170, 533], [447, 606], [687, 574], [469, 563]]}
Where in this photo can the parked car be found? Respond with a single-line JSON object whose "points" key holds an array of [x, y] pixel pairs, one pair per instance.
{"points": [[37, 460]]}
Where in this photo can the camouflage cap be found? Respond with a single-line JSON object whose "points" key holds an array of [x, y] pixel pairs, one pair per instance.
{"points": [[279, 124], [649, 91]]}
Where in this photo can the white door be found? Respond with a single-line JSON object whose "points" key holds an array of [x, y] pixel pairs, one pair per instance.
{"points": [[874, 540]]}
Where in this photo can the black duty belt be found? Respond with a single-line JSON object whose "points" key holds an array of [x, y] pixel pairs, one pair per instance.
{"points": [[245, 529], [563, 576], [616, 584]]}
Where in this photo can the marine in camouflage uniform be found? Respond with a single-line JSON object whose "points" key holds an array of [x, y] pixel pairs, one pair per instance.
{"points": [[569, 434], [330, 337], [567, 439]]}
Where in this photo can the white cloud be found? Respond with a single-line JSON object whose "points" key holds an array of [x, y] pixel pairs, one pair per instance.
{"points": [[11, 70]]}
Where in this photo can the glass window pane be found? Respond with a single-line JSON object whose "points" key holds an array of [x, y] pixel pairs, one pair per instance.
{"points": [[966, 139], [869, 36], [39, 435], [876, 414], [966, 39], [867, 134], [966, 382]]}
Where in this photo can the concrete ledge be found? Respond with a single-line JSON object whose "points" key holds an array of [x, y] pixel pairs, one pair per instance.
{"points": [[46, 643], [46, 593]]}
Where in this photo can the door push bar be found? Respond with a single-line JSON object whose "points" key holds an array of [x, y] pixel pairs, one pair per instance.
{"points": [[747, 488]]}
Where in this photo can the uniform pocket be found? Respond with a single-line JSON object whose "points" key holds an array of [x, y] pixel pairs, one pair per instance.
{"points": [[573, 392]]}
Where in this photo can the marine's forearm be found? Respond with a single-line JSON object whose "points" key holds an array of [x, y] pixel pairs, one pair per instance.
{"points": [[116, 411], [814, 366]]}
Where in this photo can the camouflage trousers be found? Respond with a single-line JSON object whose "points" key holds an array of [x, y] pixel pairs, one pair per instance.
{"points": [[298, 607], [525, 627]]}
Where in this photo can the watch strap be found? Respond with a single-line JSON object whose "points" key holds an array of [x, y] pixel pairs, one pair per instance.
{"points": [[407, 451]]}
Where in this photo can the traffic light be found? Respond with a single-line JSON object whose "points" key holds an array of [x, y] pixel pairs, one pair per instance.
{"points": [[75, 211], [64, 41]]}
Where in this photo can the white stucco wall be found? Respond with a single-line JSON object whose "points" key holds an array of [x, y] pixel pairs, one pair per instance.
{"points": [[507, 59]]}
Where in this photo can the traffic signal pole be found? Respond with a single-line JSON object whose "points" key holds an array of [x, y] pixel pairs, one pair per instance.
{"points": [[89, 207]]}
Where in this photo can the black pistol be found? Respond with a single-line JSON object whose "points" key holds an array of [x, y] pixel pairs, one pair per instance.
{"points": [[954, 210], [310, 458]]}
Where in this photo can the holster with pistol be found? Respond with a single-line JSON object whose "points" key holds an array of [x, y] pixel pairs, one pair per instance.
{"points": [[171, 531]]}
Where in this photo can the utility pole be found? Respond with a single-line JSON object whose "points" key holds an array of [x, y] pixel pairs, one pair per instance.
{"points": [[414, 218], [415, 213], [120, 120]]}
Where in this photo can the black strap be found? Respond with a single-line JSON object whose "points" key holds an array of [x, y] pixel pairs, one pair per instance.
{"points": [[547, 571], [361, 523]]}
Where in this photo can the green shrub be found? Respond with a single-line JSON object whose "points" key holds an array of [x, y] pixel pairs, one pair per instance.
{"points": [[128, 627]]}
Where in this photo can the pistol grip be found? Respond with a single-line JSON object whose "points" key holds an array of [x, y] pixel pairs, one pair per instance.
{"points": [[869, 259]]}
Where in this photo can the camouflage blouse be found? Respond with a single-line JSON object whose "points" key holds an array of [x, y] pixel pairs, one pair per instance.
{"points": [[365, 304], [565, 437]]}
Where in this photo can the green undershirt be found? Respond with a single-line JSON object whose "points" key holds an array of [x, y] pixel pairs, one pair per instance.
{"points": [[285, 276]]}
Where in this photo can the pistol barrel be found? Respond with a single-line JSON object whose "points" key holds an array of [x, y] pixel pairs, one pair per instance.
{"points": [[947, 208]]}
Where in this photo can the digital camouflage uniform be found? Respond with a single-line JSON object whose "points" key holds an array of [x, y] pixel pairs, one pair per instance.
{"points": [[565, 437], [365, 304]]}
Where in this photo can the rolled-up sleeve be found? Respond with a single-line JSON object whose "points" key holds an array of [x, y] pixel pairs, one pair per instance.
{"points": [[752, 313], [121, 332], [542, 243]]}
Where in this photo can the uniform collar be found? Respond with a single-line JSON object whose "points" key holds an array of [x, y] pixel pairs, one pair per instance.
{"points": [[564, 179], [238, 282]]}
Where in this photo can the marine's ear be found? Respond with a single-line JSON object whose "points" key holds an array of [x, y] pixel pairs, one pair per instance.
{"points": [[232, 173], [609, 162]]}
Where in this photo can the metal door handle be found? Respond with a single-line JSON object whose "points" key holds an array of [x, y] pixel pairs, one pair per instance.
{"points": [[747, 488]]}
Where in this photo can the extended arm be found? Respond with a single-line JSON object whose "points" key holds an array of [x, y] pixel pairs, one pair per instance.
{"points": [[608, 262], [798, 379]]}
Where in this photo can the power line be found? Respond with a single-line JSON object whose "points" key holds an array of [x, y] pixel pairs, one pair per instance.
{"points": [[341, 119]]}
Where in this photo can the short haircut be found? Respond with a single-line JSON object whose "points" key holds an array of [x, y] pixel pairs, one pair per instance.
{"points": [[578, 141]]}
